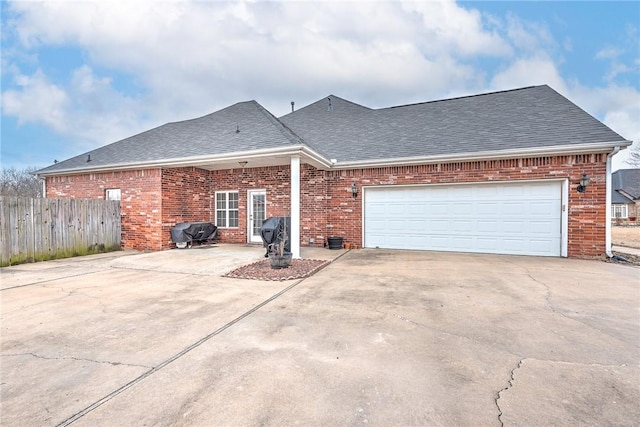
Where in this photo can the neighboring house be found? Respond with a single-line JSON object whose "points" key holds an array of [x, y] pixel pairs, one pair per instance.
{"points": [[491, 173], [625, 197]]}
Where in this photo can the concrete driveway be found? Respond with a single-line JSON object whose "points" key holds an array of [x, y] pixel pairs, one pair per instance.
{"points": [[376, 338]]}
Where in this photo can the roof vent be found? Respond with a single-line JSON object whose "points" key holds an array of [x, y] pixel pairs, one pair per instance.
{"points": [[330, 107], [237, 129], [292, 105], [88, 158]]}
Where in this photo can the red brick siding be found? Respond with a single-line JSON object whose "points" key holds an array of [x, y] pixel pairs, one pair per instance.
{"points": [[313, 206], [275, 180], [187, 196], [154, 200], [586, 210], [140, 204]]}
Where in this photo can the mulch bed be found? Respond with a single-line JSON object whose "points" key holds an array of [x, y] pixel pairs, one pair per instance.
{"points": [[628, 259], [261, 270]]}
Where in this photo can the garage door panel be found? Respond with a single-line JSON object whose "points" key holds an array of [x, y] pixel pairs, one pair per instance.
{"points": [[514, 227], [458, 226], [522, 218], [514, 208], [487, 226], [438, 208]]}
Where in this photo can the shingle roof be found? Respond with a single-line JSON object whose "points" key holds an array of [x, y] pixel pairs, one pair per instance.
{"points": [[527, 118], [627, 180], [215, 133], [523, 118]]}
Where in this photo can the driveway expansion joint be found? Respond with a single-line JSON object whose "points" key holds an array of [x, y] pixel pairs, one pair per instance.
{"points": [[175, 357]]}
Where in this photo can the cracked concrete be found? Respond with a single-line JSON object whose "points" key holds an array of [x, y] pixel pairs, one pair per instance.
{"points": [[377, 338]]}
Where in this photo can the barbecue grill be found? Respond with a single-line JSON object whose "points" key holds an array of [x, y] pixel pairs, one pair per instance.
{"points": [[272, 231], [185, 233]]}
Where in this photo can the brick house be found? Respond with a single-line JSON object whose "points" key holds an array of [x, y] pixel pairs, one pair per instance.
{"points": [[625, 197], [490, 173]]}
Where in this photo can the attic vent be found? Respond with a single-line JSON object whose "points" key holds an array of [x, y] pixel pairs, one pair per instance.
{"points": [[330, 106]]}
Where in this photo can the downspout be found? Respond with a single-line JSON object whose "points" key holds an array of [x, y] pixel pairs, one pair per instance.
{"points": [[608, 192]]}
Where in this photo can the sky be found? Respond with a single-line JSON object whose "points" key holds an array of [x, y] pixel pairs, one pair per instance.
{"points": [[80, 75]]}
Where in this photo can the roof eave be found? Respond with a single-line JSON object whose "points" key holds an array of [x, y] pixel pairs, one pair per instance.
{"points": [[306, 153], [312, 157], [485, 155]]}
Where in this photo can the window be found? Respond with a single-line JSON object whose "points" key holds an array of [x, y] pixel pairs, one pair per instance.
{"points": [[619, 211], [227, 209], [112, 194]]}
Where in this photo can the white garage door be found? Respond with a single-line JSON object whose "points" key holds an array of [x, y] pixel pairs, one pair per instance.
{"points": [[512, 218]]}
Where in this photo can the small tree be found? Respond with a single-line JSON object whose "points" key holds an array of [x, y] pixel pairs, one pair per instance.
{"points": [[20, 182], [634, 154]]}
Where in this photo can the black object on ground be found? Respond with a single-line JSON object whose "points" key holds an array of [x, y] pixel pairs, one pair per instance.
{"points": [[273, 230], [185, 233]]}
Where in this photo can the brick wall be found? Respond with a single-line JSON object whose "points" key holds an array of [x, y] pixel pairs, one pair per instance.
{"points": [[140, 204], [586, 210], [187, 196], [154, 200], [275, 180]]}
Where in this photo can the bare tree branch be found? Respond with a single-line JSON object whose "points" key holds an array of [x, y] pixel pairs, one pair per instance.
{"points": [[20, 182], [634, 155]]}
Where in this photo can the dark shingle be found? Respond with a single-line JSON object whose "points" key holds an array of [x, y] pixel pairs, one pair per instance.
{"points": [[531, 117], [627, 180], [212, 134]]}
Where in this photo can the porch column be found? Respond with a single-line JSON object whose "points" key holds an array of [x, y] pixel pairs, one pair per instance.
{"points": [[295, 206]]}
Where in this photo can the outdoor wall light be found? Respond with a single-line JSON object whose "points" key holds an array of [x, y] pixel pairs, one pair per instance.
{"points": [[354, 190], [584, 183]]}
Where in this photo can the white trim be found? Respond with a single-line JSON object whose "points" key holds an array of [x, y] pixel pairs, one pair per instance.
{"points": [[312, 157], [607, 203], [564, 202], [564, 236], [250, 213], [226, 209], [484, 155], [623, 208], [295, 206]]}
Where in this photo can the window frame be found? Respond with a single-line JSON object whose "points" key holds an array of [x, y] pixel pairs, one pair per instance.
{"points": [[107, 191], [623, 209], [227, 209]]}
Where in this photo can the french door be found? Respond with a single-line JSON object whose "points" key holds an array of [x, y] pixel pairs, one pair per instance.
{"points": [[257, 214]]}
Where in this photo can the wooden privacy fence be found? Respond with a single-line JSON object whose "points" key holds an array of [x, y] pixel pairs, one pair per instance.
{"points": [[41, 229]]}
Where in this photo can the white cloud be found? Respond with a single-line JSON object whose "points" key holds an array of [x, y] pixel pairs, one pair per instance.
{"points": [[617, 106], [192, 58], [196, 56], [529, 72], [87, 109], [36, 101], [608, 52]]}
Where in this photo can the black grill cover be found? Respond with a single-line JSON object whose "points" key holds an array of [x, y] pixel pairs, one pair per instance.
{"points": [[270, 231], [193, 231]]}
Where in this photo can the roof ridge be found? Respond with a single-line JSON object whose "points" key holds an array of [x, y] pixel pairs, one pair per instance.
{"points": [[282, 128], [464, 96]]}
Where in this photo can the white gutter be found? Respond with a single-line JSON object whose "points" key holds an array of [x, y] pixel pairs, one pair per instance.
{"points": [[608, 192], [485, 155], [299, 150]]}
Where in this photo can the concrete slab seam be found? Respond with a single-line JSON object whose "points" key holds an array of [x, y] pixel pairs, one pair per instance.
{"points": [[50, 280], [173, 358]]}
